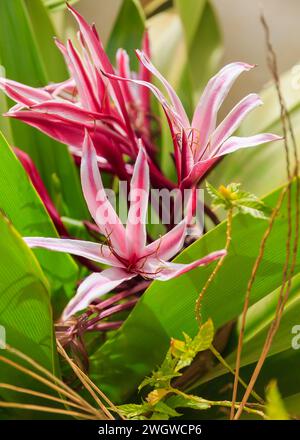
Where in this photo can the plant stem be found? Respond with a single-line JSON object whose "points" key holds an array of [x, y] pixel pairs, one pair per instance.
{"points": [[216, 269], [231, 370]]}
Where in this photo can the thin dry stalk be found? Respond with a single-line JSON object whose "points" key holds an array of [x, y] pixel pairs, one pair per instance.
{"points": [[216, 269], [287, 274], [88, 384], [87, 411]]}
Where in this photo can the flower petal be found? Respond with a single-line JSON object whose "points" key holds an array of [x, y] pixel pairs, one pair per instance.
{"points": [[215, 92], [173, 270], [22, 94], [171, 92], [93, 287], [136, 235], [97, 201], [87, 249], [198, 172], [235, 143], [101, 62], [232, 121], [169, 244]]}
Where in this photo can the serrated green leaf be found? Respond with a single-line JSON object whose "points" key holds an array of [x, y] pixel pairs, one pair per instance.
{"points": [[134, 411], [189, 401]]}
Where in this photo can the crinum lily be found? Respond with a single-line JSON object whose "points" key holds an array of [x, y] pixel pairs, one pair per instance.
{"points": [[200, 143], [127, 251], [115, 115]]}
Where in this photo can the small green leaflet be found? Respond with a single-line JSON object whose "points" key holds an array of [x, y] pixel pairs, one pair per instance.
{"points": [[232, 196]]}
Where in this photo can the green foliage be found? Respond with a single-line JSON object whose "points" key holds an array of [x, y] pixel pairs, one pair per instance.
{"points": [[57, 5], [167, 308], [159, 404], [25, 310], [22, 205], [275, 408], [232, 197], [127, 31]]}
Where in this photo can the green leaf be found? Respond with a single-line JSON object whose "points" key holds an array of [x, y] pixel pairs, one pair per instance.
{"points": [[44, 31], [167, 308], [127, 32], [189, 401], [202, 341], [232, 196], [22, 205], [30, 58], [25, 310], [162, 377], [57, 5], [134, 411], [275, 407], [259, 319], [203, 42]]}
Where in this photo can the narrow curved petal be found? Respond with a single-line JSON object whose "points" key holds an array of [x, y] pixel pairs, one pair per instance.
{"points": [[124, 71], [87, 249], [136, 235], [172, 117], [101, 62], [97, 201], [235, 142], [22, 94], [68, 86], [232, 121], [71, 132], [145, 74], [95, 286], [173, 270], [198, 172], [83, 82], [71, 111], [171, 92], [215, 92], [169, 244], [187, 157]]}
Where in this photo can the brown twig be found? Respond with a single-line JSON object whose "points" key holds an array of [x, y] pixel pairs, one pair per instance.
{"points": [[287, 274], [216, 269]]}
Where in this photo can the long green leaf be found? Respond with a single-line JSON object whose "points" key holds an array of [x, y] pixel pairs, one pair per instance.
{"points": [[22, 205], [127, 31], [25, 311]]}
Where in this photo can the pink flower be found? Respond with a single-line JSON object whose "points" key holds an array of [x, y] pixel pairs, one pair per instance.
{"points": [[127, 251], [115, 115], [200, 143]]}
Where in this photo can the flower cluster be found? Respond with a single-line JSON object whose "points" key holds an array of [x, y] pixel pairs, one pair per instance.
{"points": [[104, 116]]}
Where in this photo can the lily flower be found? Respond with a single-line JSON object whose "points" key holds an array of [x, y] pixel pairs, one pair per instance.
{"points": [[114, 115], [201, 142], [127, 252]]}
